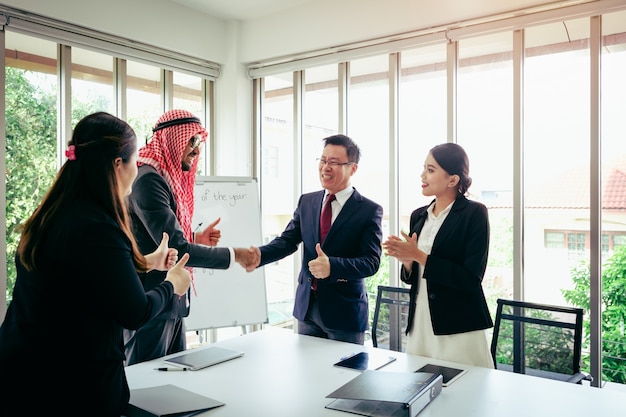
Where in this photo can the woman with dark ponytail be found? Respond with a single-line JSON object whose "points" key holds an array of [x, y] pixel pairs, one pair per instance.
{"points": [[77, 286], [444, 257]]}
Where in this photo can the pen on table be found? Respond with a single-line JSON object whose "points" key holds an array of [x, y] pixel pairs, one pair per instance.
{"points": [[171, 369]]}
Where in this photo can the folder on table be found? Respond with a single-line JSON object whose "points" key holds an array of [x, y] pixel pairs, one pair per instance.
{"points": [[167, 400], [385, 394]]}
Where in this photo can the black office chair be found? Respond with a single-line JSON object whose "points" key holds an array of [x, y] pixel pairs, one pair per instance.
{"points": [[538, 339], [390, 318]]}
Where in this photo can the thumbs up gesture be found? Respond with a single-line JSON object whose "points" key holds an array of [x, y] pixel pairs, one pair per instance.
{"points": [[210, 236], [179, 276], [320, 266], [164, 257]]}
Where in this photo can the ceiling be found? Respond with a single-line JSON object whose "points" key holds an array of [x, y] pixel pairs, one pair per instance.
{"points": [[240, 9]]}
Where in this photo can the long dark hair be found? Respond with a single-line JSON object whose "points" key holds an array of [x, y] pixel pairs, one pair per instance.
{"points": [[98, 139], [453, 159]]}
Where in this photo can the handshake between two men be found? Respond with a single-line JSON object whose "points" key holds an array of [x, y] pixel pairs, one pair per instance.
{"points": [[248, 258]]}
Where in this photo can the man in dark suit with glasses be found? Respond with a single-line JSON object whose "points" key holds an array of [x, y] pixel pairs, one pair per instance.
{"points": [[331, 299]]}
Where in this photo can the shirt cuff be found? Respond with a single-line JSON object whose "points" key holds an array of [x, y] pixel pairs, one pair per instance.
{"points": [[232, 257]]}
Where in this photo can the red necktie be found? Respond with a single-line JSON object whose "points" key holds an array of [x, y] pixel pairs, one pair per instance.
{"points": [[326, 217], [325, 220]]}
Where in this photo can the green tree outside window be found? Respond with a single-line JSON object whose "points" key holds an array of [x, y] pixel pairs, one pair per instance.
{"points": [[613, 313], [31, 146]]}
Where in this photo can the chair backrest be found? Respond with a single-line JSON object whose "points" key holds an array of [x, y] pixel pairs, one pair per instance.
{"points": [[390, 318], [538, 339]]}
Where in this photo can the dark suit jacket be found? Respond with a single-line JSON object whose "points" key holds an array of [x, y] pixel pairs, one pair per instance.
{"points": [[454, 270], [353, 246], [153, 211]]}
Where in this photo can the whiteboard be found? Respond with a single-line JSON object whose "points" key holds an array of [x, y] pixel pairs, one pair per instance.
{"points": [[232, 297]]}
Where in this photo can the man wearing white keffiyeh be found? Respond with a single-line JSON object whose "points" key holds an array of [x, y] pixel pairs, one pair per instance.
{"points": [[162, 199]]}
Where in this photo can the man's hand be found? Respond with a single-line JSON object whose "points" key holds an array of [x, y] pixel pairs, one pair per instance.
{"points": [[320, 266], [210, 236]]}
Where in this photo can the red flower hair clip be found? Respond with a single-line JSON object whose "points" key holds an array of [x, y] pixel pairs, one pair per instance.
{"points": [[70, 153]]}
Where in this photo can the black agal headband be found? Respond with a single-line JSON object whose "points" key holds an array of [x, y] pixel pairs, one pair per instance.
{"points": [[175, 122]]}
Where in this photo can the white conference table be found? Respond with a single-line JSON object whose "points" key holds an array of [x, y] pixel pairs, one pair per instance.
{"points": [[285, 374]]}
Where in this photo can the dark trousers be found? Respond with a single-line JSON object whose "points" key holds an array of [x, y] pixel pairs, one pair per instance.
{"points": [[314, 326], [155, 339]]}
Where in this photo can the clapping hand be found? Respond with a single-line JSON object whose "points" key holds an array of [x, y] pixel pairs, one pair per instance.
{"points": [[405, 251]]}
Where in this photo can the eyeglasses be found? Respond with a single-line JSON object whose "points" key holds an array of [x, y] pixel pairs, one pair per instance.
{"points": [[324, 161], [195, 142]]}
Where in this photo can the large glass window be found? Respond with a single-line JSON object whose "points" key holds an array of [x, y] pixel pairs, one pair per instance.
{"points": [[188, 92], [92, 83], [278, 191], [485, 121], [31, 133], [556, 155], [368, 126], [613, 145], [320, 118], [422, 123], [143, 98]]}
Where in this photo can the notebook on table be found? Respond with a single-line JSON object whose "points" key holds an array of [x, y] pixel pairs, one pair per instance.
{"points": [[362, 361], [203, 358], [449, 374]]}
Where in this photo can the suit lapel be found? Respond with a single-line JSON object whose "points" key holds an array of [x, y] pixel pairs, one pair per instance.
{"points": [[419, 224], [446, 228], [450, 222]]}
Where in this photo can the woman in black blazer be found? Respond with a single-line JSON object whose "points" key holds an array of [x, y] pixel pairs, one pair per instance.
{"points": [[77, 286], [444, 258]]}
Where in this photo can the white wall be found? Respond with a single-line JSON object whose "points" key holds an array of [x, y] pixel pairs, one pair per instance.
{"points": [[233, 112]]}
